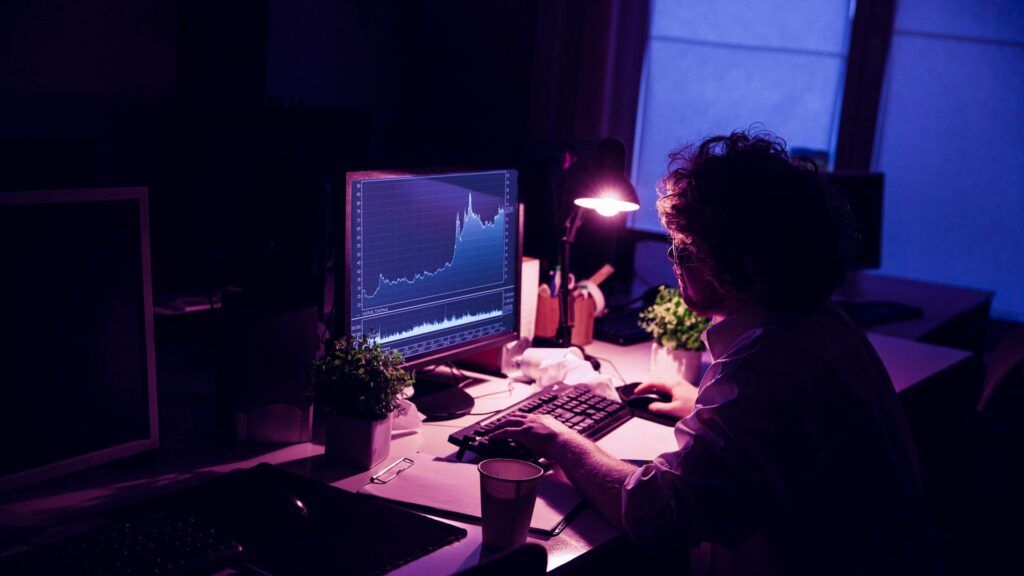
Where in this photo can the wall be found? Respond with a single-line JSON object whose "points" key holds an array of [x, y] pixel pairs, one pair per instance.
{"points": [[98, 72]]}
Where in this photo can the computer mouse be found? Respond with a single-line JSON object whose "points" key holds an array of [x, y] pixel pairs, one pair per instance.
{"points": [[285, 506], [257, 509], [642, 401]]}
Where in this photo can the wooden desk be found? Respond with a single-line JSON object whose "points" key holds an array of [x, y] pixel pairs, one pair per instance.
{"points": [[111, 486]]}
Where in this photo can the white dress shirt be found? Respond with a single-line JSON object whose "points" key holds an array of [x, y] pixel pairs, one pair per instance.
{"points": [[796, 459]]}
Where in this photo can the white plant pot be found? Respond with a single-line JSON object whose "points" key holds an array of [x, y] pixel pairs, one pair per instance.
{"points": [[674, 366], [359, 443]]}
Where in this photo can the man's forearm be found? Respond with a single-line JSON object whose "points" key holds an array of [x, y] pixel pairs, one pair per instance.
{"points": [[596, 474]]}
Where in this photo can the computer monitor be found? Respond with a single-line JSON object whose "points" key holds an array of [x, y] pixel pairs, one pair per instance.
{"points": [[432, 263], [863, 193], [77, 377]]}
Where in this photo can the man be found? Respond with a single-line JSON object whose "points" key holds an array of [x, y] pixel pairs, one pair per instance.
{"points": [[796, 457]]}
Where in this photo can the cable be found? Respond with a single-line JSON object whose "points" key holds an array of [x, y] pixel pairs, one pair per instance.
{"points": [[462, 374], [485, 413], [509, 390], [451, 372], [612, 365]]}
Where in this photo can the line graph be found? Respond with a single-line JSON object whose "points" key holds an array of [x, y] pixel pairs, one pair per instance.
{"points": [[472, 262], [433, 259]]}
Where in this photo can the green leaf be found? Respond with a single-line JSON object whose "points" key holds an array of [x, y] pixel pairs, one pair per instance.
{"points": [[671, 323], [358, 377]]}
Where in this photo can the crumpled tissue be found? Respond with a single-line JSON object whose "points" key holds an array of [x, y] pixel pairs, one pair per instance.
{"points": [[547, 366], [406, 417]]}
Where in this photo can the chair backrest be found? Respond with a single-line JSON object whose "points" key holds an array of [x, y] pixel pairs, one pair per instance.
{"points": [[526, 560], [1004, 361]]}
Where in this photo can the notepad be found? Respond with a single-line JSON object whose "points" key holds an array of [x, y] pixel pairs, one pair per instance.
{"points": [[454, 487]]}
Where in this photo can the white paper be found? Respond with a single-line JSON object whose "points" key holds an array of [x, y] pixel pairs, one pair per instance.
{"points": [[639, 439], [455, 487]]}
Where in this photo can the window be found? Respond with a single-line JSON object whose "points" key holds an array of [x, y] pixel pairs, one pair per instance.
{"points": [[949, 141], [714, 67]]}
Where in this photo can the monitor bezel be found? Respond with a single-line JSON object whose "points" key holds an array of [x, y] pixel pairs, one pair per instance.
{"points": [[79, 196], [863, 193], [449, 352]]}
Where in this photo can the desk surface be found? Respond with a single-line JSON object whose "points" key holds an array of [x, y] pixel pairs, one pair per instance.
{"points": [[93, 491], [944, 307], [908, 363]]}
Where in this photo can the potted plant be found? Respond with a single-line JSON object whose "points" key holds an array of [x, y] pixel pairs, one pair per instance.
{"points": [[676, 351], [356, 386]]}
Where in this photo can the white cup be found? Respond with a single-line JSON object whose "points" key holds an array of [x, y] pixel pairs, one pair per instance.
{"points": [[508, 492]]}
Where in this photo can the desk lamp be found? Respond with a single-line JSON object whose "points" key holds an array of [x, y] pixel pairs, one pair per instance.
{"points": [[607, 192]]}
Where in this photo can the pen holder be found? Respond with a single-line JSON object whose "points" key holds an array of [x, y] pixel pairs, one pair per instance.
{"points": [[547, 317]]}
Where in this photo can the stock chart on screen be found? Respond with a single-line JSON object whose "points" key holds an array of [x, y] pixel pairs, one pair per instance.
{"points": [[433, 259]]}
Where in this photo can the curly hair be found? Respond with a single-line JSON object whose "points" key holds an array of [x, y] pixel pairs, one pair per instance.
{"points": [[769, 225]]}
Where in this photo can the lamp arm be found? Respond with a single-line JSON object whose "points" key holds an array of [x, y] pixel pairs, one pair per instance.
{"points": [[572, 224], [566, 307]]}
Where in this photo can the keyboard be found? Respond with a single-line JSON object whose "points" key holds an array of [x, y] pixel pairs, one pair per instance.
{"points": [[168, 543], [590, 414]]}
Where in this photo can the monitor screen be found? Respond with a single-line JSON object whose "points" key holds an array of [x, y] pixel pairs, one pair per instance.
{"points": [[433, 261], [863, 194], [77, 384]]}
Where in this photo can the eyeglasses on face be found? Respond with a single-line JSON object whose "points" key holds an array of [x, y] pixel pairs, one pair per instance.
{"points": [[683, 255]]}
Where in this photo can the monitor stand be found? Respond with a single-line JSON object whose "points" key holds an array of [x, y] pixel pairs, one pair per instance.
{"points": [[439, 395]]}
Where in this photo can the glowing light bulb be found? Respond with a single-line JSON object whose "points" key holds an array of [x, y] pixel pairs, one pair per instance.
{"points": [[607, 206]]}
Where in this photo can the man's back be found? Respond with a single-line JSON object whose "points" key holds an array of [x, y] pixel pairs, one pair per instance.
{"points": [[797, 455]]}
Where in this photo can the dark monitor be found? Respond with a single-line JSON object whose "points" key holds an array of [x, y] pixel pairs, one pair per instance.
{"points": [[77, 377], [863, 192], [433, 263]]}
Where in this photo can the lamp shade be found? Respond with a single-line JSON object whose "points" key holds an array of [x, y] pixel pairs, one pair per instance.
{"points": [[608, 192], [610, 196]]}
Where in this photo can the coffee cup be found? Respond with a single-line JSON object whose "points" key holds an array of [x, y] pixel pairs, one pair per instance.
{"points": [[508, 493]]}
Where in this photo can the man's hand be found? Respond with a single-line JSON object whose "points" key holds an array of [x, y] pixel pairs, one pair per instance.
{"points": [[541, 434], [684, 395], [595, 473]]}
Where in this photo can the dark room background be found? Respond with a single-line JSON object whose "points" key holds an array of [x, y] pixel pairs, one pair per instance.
{"points": [[242, 116]]}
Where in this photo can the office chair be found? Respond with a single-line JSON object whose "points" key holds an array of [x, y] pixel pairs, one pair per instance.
{"points": [[526, 560], [1007, 358], [986, 499]]}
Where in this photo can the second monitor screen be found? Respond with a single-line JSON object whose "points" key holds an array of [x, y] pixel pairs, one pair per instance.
{"points": [[433, 260]]}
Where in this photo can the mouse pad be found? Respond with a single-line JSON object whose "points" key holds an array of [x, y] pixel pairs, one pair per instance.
{"points": [[333, 532]]}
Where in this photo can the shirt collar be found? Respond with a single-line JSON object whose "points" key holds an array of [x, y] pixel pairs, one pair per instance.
{"points": [[723, 335]]}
